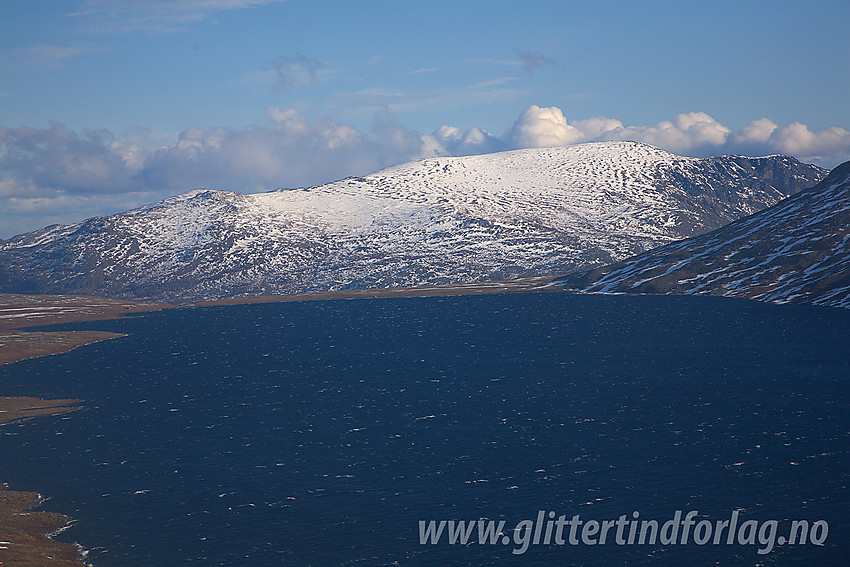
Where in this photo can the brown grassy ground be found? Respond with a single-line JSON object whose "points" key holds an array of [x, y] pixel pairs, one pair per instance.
{"points": [[23, 539], [17, 312], [536, 284], [20, 311]]}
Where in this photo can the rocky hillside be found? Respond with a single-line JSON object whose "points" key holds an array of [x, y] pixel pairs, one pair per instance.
{"points": [[442, 220], [797, 251]]}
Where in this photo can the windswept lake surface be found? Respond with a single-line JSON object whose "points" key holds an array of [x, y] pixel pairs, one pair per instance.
{"points": [[321, 433]]}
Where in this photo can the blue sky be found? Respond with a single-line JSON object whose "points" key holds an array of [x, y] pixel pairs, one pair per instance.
{"points": [[108, 104]]}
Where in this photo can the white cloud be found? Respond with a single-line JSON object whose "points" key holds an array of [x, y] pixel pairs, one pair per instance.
{"points": [[57, 158], [58, 175], [290, 152], [756, 131], [155, 15], [794, 139], [289, 119], [473, 141], [686, 133], [693, 134], [698, 134], [595, 128], [492, 82], [827, 146], [540, 127]]}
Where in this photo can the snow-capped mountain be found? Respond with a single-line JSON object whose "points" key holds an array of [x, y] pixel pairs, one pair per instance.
{"points": [[797, 251], [441, 220]]}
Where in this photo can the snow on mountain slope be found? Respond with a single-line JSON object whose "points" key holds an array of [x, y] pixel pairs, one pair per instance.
{"points": [[797, 251], [440, 220]]}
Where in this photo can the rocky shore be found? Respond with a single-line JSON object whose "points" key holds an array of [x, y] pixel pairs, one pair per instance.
{"points": [[24, 533]]}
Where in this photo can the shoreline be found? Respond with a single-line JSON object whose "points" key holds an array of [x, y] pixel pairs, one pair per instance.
{"points": [[19, 311], [538, 284], [25, 534]]}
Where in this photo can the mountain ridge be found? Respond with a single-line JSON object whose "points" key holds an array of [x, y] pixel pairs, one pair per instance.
{"points": [[797, 251], [436, 221]]}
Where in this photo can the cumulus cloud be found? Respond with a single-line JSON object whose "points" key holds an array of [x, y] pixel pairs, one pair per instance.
{"points": [[292, 151], [690, 132], [597, 127], [58, 175], [44, 160], [698, 134], [693, 134], [827, 147], [289, 150], [540, 127], [757, 131], [472, 141]]}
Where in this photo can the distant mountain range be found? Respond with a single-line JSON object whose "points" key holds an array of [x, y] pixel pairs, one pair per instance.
{"points": [[797, 251], [441, 220]]}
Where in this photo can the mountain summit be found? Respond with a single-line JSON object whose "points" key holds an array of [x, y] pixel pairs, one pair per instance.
{"points": [[441, 220]]}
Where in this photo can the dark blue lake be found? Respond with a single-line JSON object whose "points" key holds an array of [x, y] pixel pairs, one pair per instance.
{"points": [[321, 433]]}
